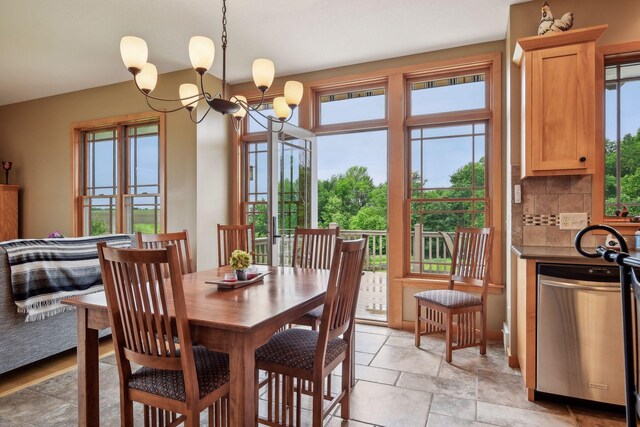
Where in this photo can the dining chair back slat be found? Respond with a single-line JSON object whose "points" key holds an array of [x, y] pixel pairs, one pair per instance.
{"points": [[232, 237], [313, 248], [159, 241], [342, 290], [135, 286], [470, 257]]}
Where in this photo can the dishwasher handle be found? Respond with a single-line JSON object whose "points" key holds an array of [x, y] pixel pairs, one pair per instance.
{"points": [[575, 286]]}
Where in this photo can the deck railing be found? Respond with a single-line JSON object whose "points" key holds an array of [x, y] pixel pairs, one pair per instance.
{"points": [[434, 253]]}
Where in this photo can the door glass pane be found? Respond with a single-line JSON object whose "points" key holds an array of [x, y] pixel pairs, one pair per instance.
{"points": [[448, 94], [294, 192], [354, 106]]}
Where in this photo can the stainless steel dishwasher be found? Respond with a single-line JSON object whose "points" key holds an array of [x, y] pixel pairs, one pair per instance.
{"points": [[579, 332]]}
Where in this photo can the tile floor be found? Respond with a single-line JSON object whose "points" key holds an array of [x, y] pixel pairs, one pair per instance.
{"points": [[397, 385]]}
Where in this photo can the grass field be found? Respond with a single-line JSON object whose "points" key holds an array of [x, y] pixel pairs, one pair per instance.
{"points": [[143, 221]]}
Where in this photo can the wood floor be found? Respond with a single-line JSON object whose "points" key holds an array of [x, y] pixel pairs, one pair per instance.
{"points": [[48, 368]]}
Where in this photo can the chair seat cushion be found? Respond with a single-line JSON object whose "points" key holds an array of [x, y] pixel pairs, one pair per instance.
{"points": [[296, 348], [212, 369], [448, 298], [314, 315]]}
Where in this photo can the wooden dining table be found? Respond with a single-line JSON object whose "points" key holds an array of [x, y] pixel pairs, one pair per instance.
{"points": [[235, 321]]}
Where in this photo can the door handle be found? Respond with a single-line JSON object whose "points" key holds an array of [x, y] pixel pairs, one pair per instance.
{"points": [[274, 224]]}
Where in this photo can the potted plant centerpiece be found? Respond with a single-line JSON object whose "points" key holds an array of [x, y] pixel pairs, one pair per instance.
{"points": [[240, 261]]}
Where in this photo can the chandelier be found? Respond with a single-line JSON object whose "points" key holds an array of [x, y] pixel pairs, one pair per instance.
{"points": [[134, 54]]}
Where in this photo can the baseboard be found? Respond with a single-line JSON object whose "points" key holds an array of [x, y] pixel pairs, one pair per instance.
{"points": [[409, 325]]}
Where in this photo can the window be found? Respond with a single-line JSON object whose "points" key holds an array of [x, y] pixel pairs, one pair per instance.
{"points": [[120, 174], [448, 94], [447, 182], [352, 106], [622, 138]]}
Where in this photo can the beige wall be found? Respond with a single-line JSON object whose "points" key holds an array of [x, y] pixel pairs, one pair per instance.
{"points": [[36, 136], [212, 201]]}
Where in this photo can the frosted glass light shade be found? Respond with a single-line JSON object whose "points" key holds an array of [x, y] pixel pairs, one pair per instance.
{"points": [[263, 73], [147, 78], [293, 93], [189, 95], [201, 53], [281, 108], [240, 100], [134, 53]]}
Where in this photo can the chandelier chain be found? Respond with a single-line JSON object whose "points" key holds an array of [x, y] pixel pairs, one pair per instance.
{"points": [[224, 23]]}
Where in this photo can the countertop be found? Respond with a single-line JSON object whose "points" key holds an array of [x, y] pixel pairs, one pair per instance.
{"points": [[548, 253]]}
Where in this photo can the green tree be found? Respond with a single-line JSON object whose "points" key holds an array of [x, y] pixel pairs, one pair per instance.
{"points": [[629, 173]]}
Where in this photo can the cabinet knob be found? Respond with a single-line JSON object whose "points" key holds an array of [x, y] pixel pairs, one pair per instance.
{"points": [[583, 159]]}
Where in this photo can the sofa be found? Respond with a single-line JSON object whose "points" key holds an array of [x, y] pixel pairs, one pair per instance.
{"points": [[27, 342]]}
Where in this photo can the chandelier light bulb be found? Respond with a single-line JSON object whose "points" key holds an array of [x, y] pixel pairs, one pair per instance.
{"points": [[147, 78], [189, 95], [241, 101], [281, 108], [134, 53], [293, 93], [201, 53], [263, 73]]}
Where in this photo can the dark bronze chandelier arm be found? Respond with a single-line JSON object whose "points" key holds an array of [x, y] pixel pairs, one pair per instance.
{"points": [[165, 110], [200, 96], [235, 123], [196, 121]]}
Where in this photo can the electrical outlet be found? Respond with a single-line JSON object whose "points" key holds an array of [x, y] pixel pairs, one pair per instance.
{"points": [[573, 221]]}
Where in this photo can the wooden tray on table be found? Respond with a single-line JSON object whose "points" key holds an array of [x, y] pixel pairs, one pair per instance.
{"points": [[223, 284]]}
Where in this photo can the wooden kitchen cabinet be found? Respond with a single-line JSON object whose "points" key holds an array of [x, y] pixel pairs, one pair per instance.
{"points": [[8, 212], [558, 102]]}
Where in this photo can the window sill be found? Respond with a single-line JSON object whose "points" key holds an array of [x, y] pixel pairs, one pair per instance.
{"points": [[429, 284], [623, 225]]}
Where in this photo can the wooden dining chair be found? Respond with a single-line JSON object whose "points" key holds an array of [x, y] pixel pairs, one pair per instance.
{"points": [[470, 262], [180, 239], [296, 355], [313, 248], [176, 382], [232, 237]]}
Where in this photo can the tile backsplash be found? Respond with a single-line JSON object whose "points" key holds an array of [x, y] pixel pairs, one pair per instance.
{"points": [[535, 220]]}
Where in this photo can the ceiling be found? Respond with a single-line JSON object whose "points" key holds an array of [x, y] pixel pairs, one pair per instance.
{"points": [[52, 47]]}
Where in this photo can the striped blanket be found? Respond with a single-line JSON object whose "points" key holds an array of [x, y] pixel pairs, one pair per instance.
{"points": [[45, 271]]}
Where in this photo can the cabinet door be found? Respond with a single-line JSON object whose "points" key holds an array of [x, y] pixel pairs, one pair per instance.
{"points": [[8, 213], [562, 108]]}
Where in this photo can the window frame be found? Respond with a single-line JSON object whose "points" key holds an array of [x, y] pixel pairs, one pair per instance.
{"points": [[399, 283], [493, 183], [121, 123], [609, 54], [351, 126]]}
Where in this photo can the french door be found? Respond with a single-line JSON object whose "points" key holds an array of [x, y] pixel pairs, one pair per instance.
{"points": [[280, 190], [293, 190]]}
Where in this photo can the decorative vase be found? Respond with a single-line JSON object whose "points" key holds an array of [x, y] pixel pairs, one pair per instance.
{"points": [[241, 274]]}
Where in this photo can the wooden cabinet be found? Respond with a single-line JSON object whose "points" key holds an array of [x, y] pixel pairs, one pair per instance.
{"points": [[8, 212], [558, 102]]}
